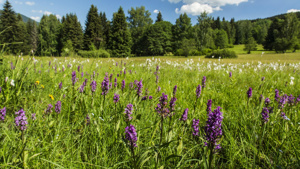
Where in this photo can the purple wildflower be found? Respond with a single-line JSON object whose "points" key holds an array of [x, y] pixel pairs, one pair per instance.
{"points": [[230, 74], [139, 88], [298, 99], [265, 115], [0, 89], [93, 86], [263, 78], [213, 128], [144, 98], [82, 74], [174, 90], [195, 127], [172, 104], [123, 85], [88, 120], [115, 84], [208, 108], [158, 89], [2, 114], [162, 106], [49, 108], [291, 100], [249, 93], [21, 120], [277, 96], [157, 78], [184, 115], [150, 97], [110, 77], [261, 98], [283, 100], [131, 135], [33, 117], [128, 112], [105, 86], [198, 91], [60, 85], [116, 98], [267, 101], [73, 78], [204, 82], [81, 88], [58, 107], [157, 68], [131, 85], [124, 71], [78, 68]]}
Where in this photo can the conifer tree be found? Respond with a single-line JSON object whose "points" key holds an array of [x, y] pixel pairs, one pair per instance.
{"points": [[120, 42], [159, 17], [9, 24], [92, 33], [71, 30]]}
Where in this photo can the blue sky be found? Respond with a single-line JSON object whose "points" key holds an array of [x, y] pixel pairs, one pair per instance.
{"points": [[170, 9]]}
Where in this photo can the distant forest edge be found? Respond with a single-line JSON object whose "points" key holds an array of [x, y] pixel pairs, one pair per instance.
{"points": [[139, 35]]}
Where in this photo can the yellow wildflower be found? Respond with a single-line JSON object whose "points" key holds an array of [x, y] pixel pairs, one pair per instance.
{"points": [[43, 86], [37, 82], [51, 96]]}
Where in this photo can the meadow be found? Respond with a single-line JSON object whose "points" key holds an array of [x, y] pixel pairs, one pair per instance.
{"points": [[62, 112]]}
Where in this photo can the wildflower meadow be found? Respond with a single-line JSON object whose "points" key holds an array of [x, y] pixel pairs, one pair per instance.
{"points": [[149, 113]]}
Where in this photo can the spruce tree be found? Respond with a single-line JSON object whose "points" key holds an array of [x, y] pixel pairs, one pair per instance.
{"points": [[92, 33], [159, 17], [120, 43], [105, 29], [9, 26], [71, 30]]}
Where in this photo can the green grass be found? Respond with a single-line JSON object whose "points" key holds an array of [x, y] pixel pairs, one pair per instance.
{"points": [[65, 141]]}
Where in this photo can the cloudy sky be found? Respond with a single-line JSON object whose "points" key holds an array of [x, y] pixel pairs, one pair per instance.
{"points": [[170, 9]]}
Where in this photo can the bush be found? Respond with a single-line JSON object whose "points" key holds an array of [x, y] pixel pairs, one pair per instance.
{"points": [[179, 52], [224, 53], [206, 51], [194, 52], [168, 54], [101, 53]]}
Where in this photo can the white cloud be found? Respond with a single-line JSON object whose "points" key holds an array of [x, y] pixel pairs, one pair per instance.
{"points": [[30, 3], [36, 18], [18, 2], [156, 11], [58, 16], [47, 13], [1, 1], [196, 7], [293, 10]]}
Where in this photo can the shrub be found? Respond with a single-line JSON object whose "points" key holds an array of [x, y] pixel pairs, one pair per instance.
{"points": [[224, 53], [101, 53], [206, 51], [194, 52], [179, 52]]}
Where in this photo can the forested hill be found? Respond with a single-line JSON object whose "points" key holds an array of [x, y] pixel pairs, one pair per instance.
{"points": [[25, 18], [280, 16]]}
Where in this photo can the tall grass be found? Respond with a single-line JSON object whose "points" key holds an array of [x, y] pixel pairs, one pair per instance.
{"points": [[65, 140]]}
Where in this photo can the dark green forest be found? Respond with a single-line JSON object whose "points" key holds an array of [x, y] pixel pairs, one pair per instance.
{"points": [[139, 35]]}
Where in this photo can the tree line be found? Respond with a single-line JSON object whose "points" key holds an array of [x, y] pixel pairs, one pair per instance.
{"points": [[139, 35]]}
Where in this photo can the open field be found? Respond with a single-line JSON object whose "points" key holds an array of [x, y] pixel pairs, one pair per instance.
{"points": [[88, 129]]}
